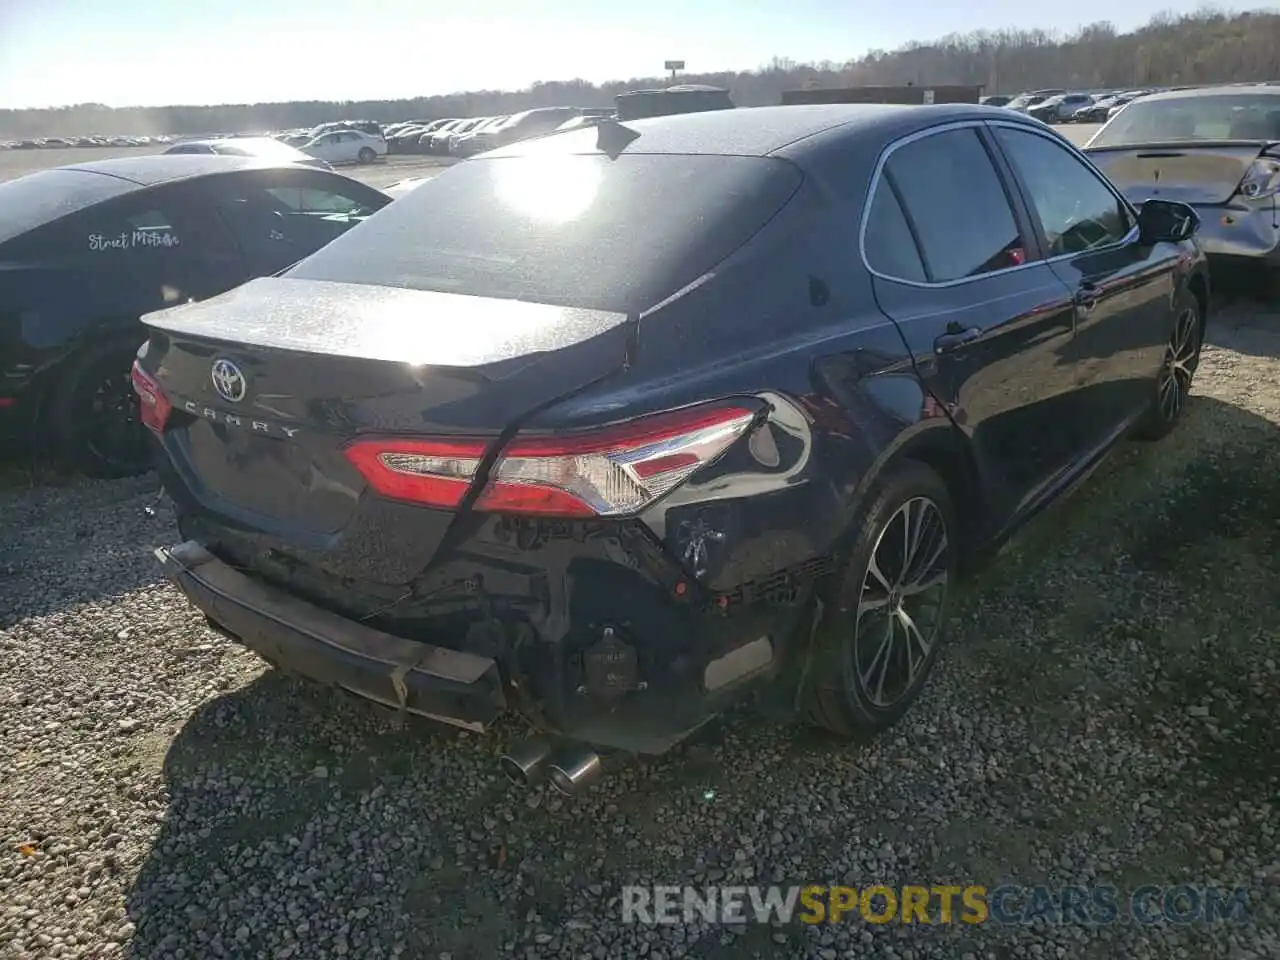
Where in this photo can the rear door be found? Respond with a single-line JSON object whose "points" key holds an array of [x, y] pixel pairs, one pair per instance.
{"points": [[957, 267], [120, 259], [1122, 289]]}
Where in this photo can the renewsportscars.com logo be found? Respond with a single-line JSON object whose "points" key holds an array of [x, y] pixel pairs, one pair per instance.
{"points": [[938, 904]]}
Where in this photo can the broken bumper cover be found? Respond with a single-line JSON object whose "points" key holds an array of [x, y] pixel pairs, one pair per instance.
{"points": [[450, 686]]}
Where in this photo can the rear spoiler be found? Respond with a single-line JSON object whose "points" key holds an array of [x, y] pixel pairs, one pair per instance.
{"points": [[1264, 145]]}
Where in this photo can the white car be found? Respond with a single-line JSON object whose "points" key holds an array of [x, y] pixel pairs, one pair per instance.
{"points": [[346, 146], [264, 148]]}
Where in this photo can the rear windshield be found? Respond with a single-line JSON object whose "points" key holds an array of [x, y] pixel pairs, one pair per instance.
{"points": [[566, 229], [1243, 116], [38, 198]]}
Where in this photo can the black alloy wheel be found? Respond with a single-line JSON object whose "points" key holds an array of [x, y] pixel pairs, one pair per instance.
{"points": [[899, 608], [1177, 371], [94, 417], [876, 648]]}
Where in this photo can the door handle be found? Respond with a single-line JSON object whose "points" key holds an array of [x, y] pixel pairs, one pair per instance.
{"points": [[1087, 297], [954, 340]]}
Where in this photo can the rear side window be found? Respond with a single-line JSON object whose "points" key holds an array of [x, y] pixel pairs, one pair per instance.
{"points": [[891, 249], [561, 228], [274, 207], [138, 229], [952, 195]]}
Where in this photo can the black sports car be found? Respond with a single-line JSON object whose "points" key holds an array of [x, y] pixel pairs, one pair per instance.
{"points": [[85, 250], [605, 428]]}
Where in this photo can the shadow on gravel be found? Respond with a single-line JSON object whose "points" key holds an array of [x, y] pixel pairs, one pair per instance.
{"points": [[301, 824], [1182, 604], [1245, 316]]}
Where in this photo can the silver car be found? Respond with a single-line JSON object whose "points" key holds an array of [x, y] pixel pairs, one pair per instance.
{"points": [[1217, 149]]}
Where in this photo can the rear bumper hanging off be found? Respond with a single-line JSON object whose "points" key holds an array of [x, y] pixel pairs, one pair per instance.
{"points": [[451, 686]]}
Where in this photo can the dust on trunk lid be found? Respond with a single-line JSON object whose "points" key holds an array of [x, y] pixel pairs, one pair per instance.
{"points": [[269, 384]]}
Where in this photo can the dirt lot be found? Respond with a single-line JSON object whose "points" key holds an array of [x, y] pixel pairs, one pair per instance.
{"points": [[1105, 714]]}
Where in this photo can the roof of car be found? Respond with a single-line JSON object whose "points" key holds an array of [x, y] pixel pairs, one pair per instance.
{"points": [[1223, 91], [165, 167], [757, 131]]}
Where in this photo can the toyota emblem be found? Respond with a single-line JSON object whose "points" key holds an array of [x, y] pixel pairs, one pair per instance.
{"points": [[228, 381]]}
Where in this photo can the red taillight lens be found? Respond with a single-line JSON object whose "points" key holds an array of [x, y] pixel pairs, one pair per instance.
{"points": [[154, 404], [610, 472], [436, 473]]}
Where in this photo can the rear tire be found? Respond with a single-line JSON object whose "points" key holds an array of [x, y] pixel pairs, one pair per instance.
{"points": [[1172, 385], [92, 417], [882, 629], [367, 155]]}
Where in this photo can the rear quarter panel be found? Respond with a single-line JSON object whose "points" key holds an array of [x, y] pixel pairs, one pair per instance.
{"points": [[790, 318]]}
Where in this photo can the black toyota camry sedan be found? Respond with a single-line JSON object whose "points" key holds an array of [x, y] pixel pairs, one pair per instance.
{"points": [[85, 250], [607, 427]]}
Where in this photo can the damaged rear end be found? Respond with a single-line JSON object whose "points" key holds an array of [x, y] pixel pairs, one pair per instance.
{"points": [[1233, 187], [363, 499]]}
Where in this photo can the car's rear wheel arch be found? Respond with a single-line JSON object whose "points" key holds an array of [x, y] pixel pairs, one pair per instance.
{"points": [[104, 344], [945, 451]]}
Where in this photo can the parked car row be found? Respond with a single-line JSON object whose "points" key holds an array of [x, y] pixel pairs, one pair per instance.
{"points": [[1062, 106], [63, 143], [468, 136]]}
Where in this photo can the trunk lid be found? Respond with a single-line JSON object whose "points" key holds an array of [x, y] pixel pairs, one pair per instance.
{"points": [[1189, 172], [319, 363]]}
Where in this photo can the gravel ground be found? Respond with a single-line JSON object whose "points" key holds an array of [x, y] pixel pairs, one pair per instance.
{"points": [[1105, 713]]}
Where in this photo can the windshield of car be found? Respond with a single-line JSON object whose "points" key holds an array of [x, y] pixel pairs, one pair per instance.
{"points": [[1241, 116], [578, 230], [39, 198]]}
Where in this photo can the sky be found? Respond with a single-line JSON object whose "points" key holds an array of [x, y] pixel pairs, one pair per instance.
{"points": [[159, 52]]}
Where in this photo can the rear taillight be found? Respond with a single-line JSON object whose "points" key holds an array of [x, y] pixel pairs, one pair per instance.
{"points": [[1261, 180], [436, 473], [154, 404], [611, 472]]}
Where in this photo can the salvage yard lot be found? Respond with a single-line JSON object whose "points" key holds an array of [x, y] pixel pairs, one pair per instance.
{"points": [[15, 163], [1105, 713]]}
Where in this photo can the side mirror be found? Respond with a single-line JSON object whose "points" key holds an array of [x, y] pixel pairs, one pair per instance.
{"points": [[1167, 221]]}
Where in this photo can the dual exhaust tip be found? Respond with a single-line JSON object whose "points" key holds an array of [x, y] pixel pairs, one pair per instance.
{"points": [[571, 768]]}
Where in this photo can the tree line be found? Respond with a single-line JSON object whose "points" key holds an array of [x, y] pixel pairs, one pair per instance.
{"points": [[1209, 46]]}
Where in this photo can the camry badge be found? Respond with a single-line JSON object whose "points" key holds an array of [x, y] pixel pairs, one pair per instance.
{"points": [[228, 381]]}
